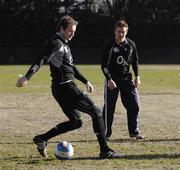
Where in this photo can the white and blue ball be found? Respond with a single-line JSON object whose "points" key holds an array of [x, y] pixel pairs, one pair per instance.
{"points": [[64, 150]]}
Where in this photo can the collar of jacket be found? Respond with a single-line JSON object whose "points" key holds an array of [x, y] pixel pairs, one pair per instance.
{"points": [[61, 37]]}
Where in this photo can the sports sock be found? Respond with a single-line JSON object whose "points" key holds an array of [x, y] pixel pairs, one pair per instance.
{"points": [[99, 130], [59, 129]]}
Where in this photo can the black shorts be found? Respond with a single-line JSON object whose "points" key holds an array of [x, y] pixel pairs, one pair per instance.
{"points": [[71, 99]]}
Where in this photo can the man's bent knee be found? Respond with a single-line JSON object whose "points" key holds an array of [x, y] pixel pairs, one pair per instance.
{"points": [[96, 111], [77, 123]]}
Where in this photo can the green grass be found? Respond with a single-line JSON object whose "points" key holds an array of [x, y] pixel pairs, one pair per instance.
{"points": [[25, 111], [159, 79], [9, 75]]}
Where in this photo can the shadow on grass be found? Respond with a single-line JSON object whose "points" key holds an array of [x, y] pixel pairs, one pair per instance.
{"points": [[151, 156], [136, 157], [111, 140], [54, 159], [17, 158], [144, 140], [39, 160], [126, 140]]}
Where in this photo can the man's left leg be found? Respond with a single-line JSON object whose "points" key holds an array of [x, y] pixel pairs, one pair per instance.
{"points": [[88, 106], [130, 100]]}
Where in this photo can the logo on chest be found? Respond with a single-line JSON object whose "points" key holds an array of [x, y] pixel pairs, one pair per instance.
{"points": [[66, 49], [116, 50], [121, 61], [70, 60]]}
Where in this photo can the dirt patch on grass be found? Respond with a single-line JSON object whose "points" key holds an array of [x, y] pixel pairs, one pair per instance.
{"points": [[26, 115]]}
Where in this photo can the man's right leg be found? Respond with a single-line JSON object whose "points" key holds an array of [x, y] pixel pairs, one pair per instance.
{"points": [[110, 99], [75, 122]]}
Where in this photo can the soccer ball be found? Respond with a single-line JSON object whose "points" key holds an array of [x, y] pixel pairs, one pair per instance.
{"points": [[64, 150]]}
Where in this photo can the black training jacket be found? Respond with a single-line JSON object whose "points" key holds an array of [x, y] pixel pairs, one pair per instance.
{"points": [[117, 58], [58, 54]]}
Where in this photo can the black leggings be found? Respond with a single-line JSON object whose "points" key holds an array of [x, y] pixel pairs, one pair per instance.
{"points": [[72, 100]]}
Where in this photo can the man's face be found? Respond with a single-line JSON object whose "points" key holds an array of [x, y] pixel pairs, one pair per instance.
{"points": [[68, 33], [120, 33]]}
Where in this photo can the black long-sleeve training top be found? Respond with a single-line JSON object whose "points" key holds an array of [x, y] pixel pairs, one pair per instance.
{"points": [[117, 58], [58, 54]]}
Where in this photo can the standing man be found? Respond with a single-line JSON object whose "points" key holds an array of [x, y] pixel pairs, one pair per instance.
{"points": [[70, 98], [117, 56]]}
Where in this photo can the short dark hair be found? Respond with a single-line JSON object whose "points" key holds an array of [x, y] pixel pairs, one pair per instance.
{"points": [[121, 24], [65, 21]]}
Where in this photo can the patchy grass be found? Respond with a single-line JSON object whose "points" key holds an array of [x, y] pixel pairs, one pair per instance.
{"points": [[28, 111]]}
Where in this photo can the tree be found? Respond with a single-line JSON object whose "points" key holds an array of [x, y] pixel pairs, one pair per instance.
{"points": [[145, 11]]}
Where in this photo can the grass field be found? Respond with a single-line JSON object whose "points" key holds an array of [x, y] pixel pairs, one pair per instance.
{"points": [[25, 112]]}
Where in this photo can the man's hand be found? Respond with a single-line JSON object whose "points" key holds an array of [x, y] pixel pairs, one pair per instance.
{"points": [[137, 81], [111, 84], [89, 87], [22, 81]]}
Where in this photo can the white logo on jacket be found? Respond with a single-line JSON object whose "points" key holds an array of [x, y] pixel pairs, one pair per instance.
{"points": [[116, 50], [70, 60], [66, 49], [120, 60]]}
